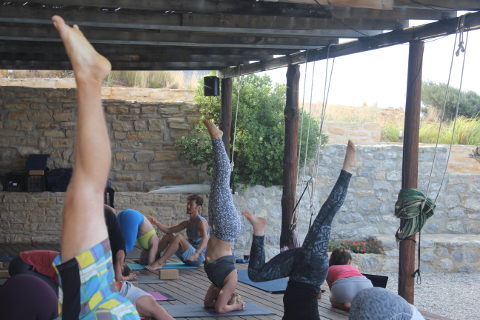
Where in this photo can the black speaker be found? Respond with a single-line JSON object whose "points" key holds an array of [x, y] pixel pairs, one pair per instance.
{"points": [[211, 86]]}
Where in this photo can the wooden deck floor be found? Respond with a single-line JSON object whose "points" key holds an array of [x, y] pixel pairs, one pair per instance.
{"points": [[191, 287]]}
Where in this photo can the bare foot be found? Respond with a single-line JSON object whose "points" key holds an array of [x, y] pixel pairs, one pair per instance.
{"points": [[258, 223], [155, 266], [87, 63], [349, 161], [213, 129]]}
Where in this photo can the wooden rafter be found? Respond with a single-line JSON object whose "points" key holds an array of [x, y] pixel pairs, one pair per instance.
{"points": [[432, 30]]}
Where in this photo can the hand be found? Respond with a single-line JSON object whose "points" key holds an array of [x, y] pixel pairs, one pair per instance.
{"points": [[131, 277], [193, 257], [152, 220]]}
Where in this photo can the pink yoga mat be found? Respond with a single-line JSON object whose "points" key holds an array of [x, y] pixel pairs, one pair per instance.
{"points": [[158, 296]]}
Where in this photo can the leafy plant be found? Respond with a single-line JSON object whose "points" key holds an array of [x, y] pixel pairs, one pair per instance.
{"points": [[390, 132], [370, 245], [260, 130], [467, 132], [433, 96]]}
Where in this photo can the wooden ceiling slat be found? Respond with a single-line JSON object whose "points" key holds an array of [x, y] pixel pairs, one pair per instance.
{"points": [[440, 4], [154, 38], [228, 23], [431, 30]]}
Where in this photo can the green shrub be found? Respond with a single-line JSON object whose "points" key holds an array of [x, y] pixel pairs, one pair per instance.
{"points": [[260, 132], [390, 132], [370, 245], [467, 132]]}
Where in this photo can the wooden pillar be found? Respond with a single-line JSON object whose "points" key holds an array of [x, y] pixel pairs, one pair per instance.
{"points": [[226, 116], [410, 163], [290, 156]]}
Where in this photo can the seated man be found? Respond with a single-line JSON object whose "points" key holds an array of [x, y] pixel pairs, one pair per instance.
{"points": [[191, 251], [135, 227]]}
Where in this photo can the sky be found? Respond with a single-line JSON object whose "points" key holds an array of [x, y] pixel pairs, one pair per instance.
{"points": [[379, 77]]}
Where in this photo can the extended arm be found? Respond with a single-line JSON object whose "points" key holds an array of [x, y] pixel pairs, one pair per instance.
{"points": [[119, 263], [211, 296], [166, 229]]}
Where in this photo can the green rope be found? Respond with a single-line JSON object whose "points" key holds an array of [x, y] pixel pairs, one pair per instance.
{"points": [[415, 208]]}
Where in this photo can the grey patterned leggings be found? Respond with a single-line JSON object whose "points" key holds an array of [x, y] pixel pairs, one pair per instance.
{"points": [[309, 263], [223, 217]]}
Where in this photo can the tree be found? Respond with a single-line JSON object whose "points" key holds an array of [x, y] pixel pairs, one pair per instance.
{"points": [[259, 133], [433, 96]]}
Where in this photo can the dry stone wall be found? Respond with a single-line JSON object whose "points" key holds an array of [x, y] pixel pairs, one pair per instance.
{"points": [[143, 128]]}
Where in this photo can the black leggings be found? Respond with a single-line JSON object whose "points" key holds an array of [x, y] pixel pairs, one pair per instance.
{"points": [[309, 263]]}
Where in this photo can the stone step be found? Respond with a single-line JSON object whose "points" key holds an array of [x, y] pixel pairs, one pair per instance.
{"points": [[439, 253]]}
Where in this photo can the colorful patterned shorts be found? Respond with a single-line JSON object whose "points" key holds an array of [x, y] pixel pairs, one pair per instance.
{"points": [[87, 289]]}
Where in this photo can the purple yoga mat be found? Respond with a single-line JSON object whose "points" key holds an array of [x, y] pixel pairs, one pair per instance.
{"points": [[158, 296]]}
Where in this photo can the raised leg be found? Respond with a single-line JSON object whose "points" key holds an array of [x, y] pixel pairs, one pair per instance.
{"points": [[222, 214], [83, 220], [279, 266], [312, 265]]}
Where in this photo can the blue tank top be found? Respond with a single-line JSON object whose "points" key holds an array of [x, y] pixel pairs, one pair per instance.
{"points": [[192, 234]]}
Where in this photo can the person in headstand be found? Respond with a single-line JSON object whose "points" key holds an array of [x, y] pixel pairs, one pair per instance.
{"points": [[86, 278], [225, 224], [306, 266], [136, 228]]}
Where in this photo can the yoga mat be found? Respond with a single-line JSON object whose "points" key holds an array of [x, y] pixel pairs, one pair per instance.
{"points": [[169, 265], [198, 310], [6, 258], [145, 279], [2, 281], [178, 265], [272, 286], [135, 266], [160, 296]]}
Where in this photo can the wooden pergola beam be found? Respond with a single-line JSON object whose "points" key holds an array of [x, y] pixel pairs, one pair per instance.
{"points": [[431, 30], [440, 4], [153, 38], [218, 23]]}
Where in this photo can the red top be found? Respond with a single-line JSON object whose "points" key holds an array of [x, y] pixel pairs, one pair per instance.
{"points": [[342, 271], [41, 262]]}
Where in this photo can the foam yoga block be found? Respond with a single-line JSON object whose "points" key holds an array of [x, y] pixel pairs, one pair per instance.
{"points": [[168, 274]]}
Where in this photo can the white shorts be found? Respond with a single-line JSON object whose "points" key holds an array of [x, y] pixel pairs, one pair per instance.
{"points": [[131, 292], [345, 289]]}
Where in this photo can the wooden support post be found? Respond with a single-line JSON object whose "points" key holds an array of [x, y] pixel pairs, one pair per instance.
{"points": [[410, 163], [226, 116], [290, 157]]}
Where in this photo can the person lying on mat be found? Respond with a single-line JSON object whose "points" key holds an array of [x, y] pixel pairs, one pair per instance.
{"points": [[379, 304], [306, 266], [27, 297], [144, 302], [190, 250], [87, 289], [344, 279], [135, 227], [225, 223], [37, 263]]}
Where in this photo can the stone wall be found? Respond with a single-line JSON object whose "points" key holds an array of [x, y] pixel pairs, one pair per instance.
{"points": [[143, 125], [450, 241], [37, 217], [361, 133]]}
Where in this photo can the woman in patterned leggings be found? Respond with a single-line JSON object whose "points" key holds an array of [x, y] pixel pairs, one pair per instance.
{"points": [[306, 266], [225, 224]]}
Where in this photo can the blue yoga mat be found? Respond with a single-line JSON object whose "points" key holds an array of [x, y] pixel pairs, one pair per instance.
{"points": [[170, 265], [198, 310], [272, 286]]}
